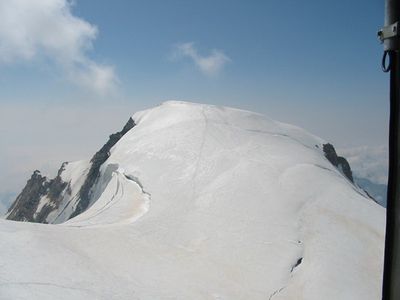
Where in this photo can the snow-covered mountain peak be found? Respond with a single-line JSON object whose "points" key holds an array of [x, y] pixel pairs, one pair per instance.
{"points": [[193, 201], [178, 112]]}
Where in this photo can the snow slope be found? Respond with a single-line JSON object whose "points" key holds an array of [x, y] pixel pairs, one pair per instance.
{"points": [[75, 174], [205, 202]]}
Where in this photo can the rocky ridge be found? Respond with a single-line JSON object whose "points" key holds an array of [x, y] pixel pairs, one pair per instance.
{"points": [[42, 196]]}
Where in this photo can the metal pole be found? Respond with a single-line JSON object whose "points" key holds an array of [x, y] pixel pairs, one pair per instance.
{"points": [[391, 17], [391, 273]]}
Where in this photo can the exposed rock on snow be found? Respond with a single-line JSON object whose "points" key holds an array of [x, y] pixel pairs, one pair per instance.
{"points": [[94, 172], [338, 161], [203, 202], [376, 192], [39, 197], [55, 201]]}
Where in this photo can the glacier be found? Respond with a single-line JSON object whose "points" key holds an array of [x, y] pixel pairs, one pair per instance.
{"points": [[203, 202]]}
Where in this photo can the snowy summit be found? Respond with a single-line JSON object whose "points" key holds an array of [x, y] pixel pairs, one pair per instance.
{"points": [[193, 201]]}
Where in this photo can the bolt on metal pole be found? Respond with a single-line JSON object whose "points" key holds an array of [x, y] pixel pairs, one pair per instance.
{"points": [[390, 37]]}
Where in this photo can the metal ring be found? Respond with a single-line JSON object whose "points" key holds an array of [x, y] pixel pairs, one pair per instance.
{"points": [[386, 68]]}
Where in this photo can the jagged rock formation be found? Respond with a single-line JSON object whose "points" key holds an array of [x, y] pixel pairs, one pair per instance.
{"points": [[27, 201], [38, 198], [26, 206], [338, 161], [44, 200], [97, 160], [374, 191]]}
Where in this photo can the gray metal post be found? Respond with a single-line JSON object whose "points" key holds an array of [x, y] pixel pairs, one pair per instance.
{"points": [[391, 16], [390, 37]]}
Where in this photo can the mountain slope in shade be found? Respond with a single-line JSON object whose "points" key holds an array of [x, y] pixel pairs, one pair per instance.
{"points": [[205, 202]]}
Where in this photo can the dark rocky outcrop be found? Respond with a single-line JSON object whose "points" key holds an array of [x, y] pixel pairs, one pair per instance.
{"points": [[338, 161], [97, 160], [376, 192], [25, 207], [26, 203]]}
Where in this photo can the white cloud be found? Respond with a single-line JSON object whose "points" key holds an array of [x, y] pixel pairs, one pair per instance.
{"points": [[368, 162], [209, 65], [100, 78], [30, 29]]}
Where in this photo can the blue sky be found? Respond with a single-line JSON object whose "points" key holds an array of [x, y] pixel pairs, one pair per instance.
{"points": [[315, 64]]}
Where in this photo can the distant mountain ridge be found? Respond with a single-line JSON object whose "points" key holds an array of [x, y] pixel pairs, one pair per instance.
{"points": [[376, 190]]}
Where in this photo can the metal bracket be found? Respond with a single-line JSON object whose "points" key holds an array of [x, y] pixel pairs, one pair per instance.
{"points": [[389, 32]]}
